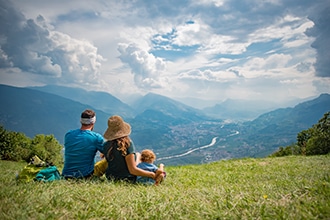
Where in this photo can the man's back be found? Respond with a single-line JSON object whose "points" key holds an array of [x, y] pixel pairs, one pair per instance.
{"points": [[80, 149]]}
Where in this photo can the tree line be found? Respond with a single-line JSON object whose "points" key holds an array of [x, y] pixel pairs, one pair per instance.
{"points": [[313, 141], [16, 146]]}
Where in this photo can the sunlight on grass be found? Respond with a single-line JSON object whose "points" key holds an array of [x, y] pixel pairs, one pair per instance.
{"points": [[267, 188]]}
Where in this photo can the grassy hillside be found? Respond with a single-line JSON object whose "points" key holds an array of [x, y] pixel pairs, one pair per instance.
{"points": [[266, 188]]}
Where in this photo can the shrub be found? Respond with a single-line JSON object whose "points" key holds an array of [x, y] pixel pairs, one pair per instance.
{"points": [[17, 146], [319, 142], [313, 141], [47, 148], [286, 151], [14, 146]]}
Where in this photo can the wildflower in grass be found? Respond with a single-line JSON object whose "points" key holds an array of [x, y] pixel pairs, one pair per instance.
{"points": [[265, 196]]}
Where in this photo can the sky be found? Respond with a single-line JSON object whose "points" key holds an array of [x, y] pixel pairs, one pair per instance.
{"points": [[213, 50]]}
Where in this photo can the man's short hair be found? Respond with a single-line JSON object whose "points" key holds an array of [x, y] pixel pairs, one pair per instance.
{"points": [[88, 117], [88, 113]]}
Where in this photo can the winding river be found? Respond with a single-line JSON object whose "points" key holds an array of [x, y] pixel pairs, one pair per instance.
{"points": [[214, 140]]}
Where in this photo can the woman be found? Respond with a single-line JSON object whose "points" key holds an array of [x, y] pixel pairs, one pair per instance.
{"points": [[120, 153]]}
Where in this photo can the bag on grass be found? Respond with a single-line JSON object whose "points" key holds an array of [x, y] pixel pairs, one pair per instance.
{"points": [[48, 174], [28, 173], [38, 170]]}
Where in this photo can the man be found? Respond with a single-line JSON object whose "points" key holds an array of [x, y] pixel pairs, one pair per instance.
{"points": [[81, 146]]}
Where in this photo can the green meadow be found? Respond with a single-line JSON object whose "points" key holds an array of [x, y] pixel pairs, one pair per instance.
{"points": [[295, 187]]}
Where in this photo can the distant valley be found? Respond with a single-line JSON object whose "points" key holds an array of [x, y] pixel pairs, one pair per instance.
{"points": [[167, 126]]}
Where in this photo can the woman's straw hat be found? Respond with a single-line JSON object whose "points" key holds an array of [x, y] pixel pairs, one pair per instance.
{"points": [[117, 128]]}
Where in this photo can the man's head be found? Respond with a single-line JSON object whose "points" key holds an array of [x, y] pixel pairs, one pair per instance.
{"points": [[88, 117]]}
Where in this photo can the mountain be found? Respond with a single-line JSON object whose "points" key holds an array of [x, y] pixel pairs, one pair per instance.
{"points": [[244, 110], [162, 122], [179, 134], [34, 112], [98, 100], [170, 108], [301, 116], [280, 127]]}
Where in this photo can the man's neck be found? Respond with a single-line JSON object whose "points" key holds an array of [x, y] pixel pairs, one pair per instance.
{"points": [[87, 127]]}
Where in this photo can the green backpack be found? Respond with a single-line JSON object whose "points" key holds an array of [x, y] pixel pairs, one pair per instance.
{"points": [[38, 170], [48, 174]]}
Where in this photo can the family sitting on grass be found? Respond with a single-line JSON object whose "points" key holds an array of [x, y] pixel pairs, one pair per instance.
{"points": [[119, 161]]}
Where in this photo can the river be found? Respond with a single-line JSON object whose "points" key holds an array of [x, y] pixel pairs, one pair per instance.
{"points": [[214, 140]]}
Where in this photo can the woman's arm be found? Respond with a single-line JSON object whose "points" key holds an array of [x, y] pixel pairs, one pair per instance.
{"points": [[134, 170]]}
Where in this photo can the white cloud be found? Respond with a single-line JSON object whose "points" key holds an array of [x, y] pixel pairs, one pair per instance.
{"points": [[224, 45], [217, 3], [79, 59], [34, 47], [146, 68], [190, 34], [272, 62], [209, 75]]}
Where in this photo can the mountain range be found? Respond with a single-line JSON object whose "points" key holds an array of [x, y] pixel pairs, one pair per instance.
{"points": [[99, 100], [178, 133]]}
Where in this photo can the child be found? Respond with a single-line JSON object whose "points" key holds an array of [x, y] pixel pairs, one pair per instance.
{"points": [[147, 159]]}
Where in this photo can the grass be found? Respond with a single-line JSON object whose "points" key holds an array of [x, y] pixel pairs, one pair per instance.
{"points": [[268, 188]]}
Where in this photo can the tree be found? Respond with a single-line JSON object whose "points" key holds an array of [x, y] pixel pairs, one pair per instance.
{"points": [[302, 139], [287, 151], [47, 148], [14, 145], [17, 146], [313, 141], [319, 141]]}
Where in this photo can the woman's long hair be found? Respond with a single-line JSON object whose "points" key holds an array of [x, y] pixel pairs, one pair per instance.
{"points": [[123, 143]]}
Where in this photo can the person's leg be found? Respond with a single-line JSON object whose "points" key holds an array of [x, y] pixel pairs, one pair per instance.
{"points": [[159, 178], [160, 174], [100, 167]]}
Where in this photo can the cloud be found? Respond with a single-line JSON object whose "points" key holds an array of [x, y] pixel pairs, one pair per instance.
{"points": [[32, 46], [190, 33], [321, 31], [24, 43], [146, 67], [209, 75], [79, 59]]}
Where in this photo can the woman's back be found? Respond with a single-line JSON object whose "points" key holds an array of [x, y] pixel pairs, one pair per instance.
{"points": [[117, 166]]}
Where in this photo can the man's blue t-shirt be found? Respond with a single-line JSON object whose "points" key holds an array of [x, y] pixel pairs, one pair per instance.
{"points": [[80, 147], [148, 167]]}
